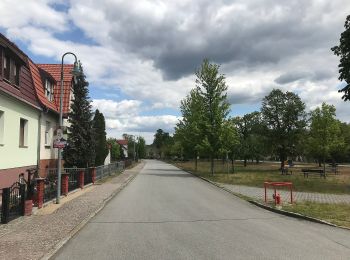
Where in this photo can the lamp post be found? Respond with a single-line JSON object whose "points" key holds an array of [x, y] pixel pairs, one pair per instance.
{"points": [[75, 72]]}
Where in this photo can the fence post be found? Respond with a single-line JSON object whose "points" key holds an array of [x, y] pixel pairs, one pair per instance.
{"points": [[93, 174], [40, 192], [5, 205], [22, 191], [81, 179], [65, 177]]}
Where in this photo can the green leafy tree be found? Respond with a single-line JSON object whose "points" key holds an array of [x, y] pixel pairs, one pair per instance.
{"points": [[188, 130], [249, 128], [141, 148], [324, 132], [101, 149], [212, 91], [343, 51], [285, 118], [80, 151], [162, 142], [115, 149], [229, 140]]}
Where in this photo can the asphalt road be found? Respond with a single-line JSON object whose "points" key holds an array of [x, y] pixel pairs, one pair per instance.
{"points": [[165, 213]]}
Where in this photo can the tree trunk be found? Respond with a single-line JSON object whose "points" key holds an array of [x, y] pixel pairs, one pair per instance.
{"points": [[324, 166], [232, 165], [245, 162], [196, 162], [319, 163], [212, 165]]}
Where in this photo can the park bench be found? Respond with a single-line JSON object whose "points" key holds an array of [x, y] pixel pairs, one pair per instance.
{"points": [[307, 171], [333, 169]]}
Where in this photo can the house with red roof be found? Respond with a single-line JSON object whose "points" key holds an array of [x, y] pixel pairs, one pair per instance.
{"points": [[29, 111], [123, 143], [47, 80], [20, 112]]}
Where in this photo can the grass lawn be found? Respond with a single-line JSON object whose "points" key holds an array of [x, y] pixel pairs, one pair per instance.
{"points": [[256, 174], [334, 213]]}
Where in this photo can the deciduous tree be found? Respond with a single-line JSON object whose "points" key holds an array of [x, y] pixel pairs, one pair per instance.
{"points": [[324, 132], [212, 90], [285, 117], [343, 51]]}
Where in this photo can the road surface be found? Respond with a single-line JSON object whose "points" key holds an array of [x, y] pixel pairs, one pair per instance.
{"points": [[165, 213]]}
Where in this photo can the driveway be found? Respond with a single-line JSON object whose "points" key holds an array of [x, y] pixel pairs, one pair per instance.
{"points": [[166, 213]]}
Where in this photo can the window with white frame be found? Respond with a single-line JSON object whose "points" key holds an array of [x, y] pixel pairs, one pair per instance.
{"points": [[2, 127], [49, 89], [47, 133], [23, 133]]}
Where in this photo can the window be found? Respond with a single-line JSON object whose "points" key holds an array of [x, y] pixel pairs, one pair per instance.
{"points": [[11, 70], [23, 133], [49, 90], [47, 133], [2, 127], [16, 74], [6, 67]]}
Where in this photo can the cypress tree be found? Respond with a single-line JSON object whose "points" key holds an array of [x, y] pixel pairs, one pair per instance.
{"points": [[101, 149], [80, 149]]}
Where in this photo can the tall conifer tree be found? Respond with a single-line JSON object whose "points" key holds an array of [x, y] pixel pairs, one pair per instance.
{"points": [[80, 150], [99, 126]]}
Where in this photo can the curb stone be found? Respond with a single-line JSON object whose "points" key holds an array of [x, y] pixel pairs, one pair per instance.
{"points": [[60, 244], [266, 207]]}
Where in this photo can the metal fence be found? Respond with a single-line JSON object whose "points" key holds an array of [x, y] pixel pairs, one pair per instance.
{"points": [[50, 186], [13, 199], [110, 169]]}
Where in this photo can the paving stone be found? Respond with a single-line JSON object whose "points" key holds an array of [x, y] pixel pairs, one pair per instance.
{"points": [[258, 193], [32, 237]]}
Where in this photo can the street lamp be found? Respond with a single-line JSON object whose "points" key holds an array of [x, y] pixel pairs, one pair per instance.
{"points": [[75, 72]]}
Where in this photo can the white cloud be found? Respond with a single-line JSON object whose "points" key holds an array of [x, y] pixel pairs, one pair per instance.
{"points": [[31, 12], [148, 50], [112, 109]]}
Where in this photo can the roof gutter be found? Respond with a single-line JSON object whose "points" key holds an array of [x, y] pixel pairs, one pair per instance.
{"points": [[19, 99]]}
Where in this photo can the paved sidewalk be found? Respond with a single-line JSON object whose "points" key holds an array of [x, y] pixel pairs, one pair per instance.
{"points": [[258, 193], [33, 237]]}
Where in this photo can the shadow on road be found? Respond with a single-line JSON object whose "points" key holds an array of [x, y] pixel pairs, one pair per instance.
{"points": [[170, 175]]}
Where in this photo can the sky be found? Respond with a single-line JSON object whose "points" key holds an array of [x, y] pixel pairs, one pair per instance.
{"points": [[140, 56]]}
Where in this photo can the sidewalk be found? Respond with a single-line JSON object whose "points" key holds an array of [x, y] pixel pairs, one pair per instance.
{"points": [[35, 236], [258, 193]]}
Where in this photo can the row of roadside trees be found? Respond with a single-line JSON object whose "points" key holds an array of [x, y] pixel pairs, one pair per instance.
{"points": [[282, 128]]}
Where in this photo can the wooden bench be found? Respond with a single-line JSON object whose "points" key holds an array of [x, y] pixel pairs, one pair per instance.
{"points": [[308, 171]]}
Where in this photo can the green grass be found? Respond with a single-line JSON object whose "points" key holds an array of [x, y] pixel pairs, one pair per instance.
{"points": [[334, 213], [256, 175]]}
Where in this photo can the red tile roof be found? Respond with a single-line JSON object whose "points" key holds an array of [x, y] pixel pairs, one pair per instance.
{"points": [[122, 142], [39, 87], [55, 71]]}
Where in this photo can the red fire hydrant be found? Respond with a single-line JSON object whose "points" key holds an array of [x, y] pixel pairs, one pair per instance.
{"points": [[277, 198]]}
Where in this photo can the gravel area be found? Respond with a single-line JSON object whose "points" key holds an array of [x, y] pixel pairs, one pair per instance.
{"points": [[258, 193], [34, 236]]}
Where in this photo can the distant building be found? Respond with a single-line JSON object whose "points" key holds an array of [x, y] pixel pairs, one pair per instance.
{"points": [[124, 145]]}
